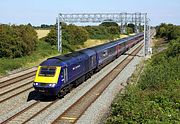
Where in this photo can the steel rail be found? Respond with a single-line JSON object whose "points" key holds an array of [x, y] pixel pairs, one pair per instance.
{"points": [[76, 110]]}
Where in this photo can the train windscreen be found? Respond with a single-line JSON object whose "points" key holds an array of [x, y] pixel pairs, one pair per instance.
{"points": [[47, 71]]}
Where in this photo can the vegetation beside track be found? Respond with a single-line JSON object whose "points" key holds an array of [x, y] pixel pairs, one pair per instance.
{"points": [[15, 40], [155, 97], [43, 50]]}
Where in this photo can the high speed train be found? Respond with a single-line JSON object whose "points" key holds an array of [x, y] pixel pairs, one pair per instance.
{"points": [[57, 75]]}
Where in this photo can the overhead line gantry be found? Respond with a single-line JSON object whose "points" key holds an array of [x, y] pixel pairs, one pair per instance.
{"points": [[123, 19]]}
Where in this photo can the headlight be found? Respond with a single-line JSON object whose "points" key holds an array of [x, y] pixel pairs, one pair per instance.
{"points": [[52, 85], [35, 84]]}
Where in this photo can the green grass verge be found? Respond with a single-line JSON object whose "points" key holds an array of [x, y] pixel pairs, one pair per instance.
{"points": [[43, 51], [156, 96]]}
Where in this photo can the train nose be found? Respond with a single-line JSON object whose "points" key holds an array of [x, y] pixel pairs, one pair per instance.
{"points": [[48, 75]]}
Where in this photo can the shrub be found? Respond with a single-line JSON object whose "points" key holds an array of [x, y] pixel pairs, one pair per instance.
{"points": [[102, 32], [75, 35], [17, 41], [168, 31], [174, 48], [51, 37], [155, 98], [43, 50], [71, 34]]}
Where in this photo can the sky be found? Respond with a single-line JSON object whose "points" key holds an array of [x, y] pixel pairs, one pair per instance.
{"points": [[39, 12]]}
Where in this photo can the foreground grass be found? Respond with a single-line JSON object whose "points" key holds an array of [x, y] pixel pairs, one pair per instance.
{"points": [[43, 51], [156, 96]]}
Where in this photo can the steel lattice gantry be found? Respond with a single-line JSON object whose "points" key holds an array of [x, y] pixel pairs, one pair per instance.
{"points": [[123, 19]]}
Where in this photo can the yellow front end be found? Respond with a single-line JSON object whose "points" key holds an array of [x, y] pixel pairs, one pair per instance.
{"points": [[47, 79]]}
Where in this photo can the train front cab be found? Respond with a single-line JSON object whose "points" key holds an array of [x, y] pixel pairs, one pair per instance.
{"points": [[48, 79]]}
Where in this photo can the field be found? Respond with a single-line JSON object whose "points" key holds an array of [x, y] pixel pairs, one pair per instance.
{"points": [[42, 33], [92, 42], [95, 42]]}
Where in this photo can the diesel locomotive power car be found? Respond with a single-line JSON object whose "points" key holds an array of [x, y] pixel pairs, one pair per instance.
{"points": [[57, 75]]}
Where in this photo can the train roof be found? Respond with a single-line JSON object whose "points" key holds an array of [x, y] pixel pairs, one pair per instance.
{"points": [[68, 59], [82, 54]]}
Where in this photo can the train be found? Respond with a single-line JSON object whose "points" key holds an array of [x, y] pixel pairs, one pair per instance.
{"points": [[58, 75]]}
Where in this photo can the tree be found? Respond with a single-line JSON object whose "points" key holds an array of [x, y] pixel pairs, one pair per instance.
{"points": [[132, 26], [109, 24], [52, 37], [174, 48], [71, 34], [17, 41], [175, 33], [168, 31], [75, 35]]}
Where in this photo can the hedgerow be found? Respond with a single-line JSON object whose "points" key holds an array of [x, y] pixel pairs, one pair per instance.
{"points": [[156, 96], [17, 41]]}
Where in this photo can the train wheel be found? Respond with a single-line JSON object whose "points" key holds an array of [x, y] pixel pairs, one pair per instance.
{"points": [[61, 93]]}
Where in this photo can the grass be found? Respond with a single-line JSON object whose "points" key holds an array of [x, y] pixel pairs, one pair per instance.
{"points": [[43, 51], [124, 35], [92, 42], [42, 33], [159, 45], [95, 42], [154, 98]]}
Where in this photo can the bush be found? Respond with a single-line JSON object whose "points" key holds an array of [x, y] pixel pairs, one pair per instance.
{"points": [[168, 31], [17, 41], [155, 98], [109, 24], [174, 48], [146, 106], [102, 32], [71, 34], [75, 35], [51, 37], [43, 50]]}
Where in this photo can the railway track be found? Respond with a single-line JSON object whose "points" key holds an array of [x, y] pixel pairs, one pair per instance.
{"points": [[9, 81], [76, 110], [15, 94], [29, 112], [18, 87], [15, 85]]}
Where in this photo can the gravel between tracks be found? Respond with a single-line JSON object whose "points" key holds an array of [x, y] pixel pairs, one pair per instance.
{"points": [[14, 105], [59, 107], [15, 85], [98, 111], [2, 79]]}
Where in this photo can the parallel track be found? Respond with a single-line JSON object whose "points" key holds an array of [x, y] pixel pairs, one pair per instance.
{"points": [[17, 79], [76, 110], [30, 82], [29, 112], [14, 95]]}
